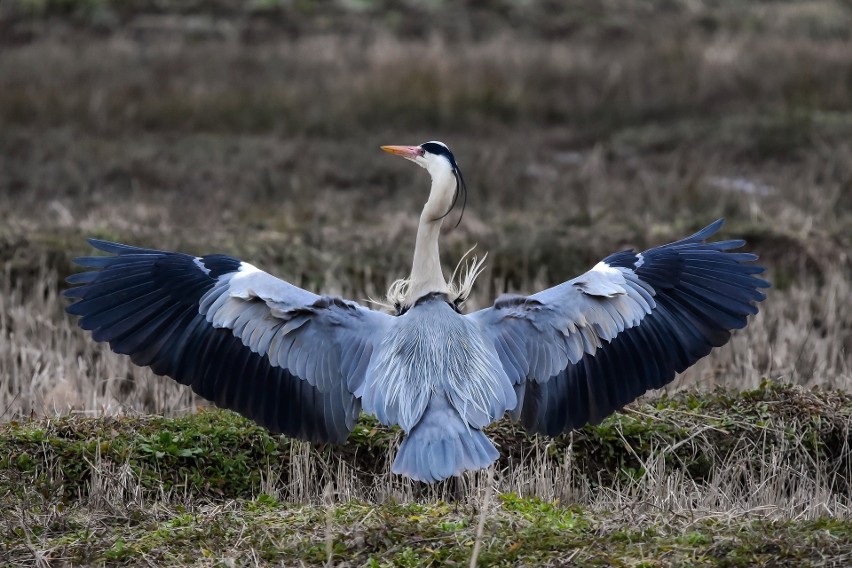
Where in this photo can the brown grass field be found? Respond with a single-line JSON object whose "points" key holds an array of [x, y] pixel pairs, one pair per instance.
{"points": [[253, 129]]}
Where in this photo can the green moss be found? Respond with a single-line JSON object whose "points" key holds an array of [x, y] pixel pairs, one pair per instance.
{"points": [[538, 512]]}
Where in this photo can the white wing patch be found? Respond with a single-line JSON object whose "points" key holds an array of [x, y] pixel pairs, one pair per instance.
{"points": [[250, 282], [200, 264], [240, 283], [602, 280]]}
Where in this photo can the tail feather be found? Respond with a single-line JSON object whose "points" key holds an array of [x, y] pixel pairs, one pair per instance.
{"points": [[442, 445]]}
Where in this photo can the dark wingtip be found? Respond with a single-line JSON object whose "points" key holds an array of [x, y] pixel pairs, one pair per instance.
{"points": [[727, 245], [93, 261], [82, 277], [109, 246], [72, 292], [707, 231]]}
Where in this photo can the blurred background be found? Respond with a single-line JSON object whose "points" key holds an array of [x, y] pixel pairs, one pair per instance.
{"points": [[252, 128]]}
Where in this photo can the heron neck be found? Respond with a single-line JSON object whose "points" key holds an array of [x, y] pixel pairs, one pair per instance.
{"points": [[426, 273]]}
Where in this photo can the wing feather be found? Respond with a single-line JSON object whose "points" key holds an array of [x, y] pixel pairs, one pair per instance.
{"points": [[585, 348], [280, 355]]}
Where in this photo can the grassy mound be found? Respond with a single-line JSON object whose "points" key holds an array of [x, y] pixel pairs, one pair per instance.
{"points": [[217, 453], [667, 482]]}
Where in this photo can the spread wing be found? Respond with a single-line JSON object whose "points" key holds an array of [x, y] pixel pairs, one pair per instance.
{"points": [[585, 348], [277, 354]]}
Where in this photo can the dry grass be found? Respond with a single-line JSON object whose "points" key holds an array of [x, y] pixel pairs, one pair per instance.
{"points": [[777, 491], [51, 368]]}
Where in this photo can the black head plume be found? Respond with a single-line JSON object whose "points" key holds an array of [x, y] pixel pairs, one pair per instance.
{"points": [[461, 187]]}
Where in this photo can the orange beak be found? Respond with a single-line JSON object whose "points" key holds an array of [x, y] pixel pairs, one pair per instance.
{"points": [[408, 152]]}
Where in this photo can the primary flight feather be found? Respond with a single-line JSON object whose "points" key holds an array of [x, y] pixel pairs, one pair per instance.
{"points": [[306, 365]]}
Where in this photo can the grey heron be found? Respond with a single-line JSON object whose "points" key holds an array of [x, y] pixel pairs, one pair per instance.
{"points": [[306, 365]]}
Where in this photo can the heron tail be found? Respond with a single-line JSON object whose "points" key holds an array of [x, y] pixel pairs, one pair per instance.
{"points": [[442, 445]]}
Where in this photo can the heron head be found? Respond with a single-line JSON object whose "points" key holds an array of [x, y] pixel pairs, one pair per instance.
{"points": [[434, 156], [437, 159]]}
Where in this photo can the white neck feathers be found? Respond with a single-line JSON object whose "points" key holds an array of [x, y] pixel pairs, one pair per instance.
{"points": [[426, 274]]}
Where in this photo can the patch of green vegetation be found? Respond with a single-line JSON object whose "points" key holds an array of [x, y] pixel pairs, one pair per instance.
{"points": [[518, 531], [698, 432], [217, 453], [370, 434], [212, 452]]}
